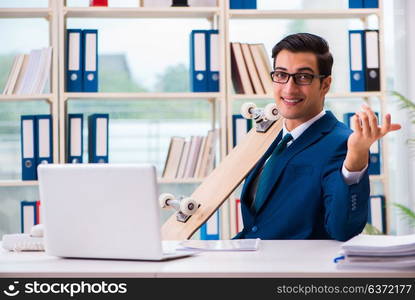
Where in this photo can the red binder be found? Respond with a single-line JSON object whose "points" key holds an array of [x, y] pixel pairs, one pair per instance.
{"points": [[37, 212], [98, 2]]}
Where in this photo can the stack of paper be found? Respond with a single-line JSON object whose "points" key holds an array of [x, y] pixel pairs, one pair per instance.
{"points": [[221, 245], [378, 251]]}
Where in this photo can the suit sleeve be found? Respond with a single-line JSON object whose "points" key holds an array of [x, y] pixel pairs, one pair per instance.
{"points": [[345, 206]]}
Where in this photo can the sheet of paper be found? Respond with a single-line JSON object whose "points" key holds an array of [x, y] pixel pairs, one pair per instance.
{"points": [[221, 245]]}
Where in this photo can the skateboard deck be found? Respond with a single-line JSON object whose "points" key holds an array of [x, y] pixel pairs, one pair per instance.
{"points": [[222, 181]]}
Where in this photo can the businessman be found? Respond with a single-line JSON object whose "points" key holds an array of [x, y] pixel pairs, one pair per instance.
{"points": [[312, 183]]}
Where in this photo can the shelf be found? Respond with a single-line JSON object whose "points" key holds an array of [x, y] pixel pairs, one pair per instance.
{"points": [[142, 12], [42, 97], [11, 183], [303, 14], [139, 96], [25, 12], [329, 95]]}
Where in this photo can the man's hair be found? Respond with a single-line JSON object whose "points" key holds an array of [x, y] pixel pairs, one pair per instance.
{"points": [[307, 42]]}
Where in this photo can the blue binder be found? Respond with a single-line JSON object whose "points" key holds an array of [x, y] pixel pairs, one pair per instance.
{"points": [[347, 119], [240, 125], [98, 138], [212, 59], [377, 212], [75, 140], [370, 3], [236, 4], [357, 60], [210, 229], [90, 57], [28, 215], [249, 4], [74, 60], [356, 4], [198, 63], [28, 145], [374, 158], [372, 70], [374, 165], [44, 137]]}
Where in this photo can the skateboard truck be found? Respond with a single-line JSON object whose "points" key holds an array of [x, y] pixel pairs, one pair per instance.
{"points": [[185, 207], [263, 117]]}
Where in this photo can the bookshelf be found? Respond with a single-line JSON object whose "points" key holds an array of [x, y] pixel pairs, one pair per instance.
{"points": [[221, 103], [52, 98], [363, 16], [217, 100]]}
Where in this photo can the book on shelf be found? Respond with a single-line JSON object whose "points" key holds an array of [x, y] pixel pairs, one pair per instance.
{"points": [[207, 151], [183, 160], [192, 158], [240, 79], [173, 157], [250, 69], [383, 251], [29, 73], [195, 143], [262, 65], [13, 74], [200, 157]]}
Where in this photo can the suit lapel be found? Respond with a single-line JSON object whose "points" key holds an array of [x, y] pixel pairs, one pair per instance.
{"points": [[314, 133]]}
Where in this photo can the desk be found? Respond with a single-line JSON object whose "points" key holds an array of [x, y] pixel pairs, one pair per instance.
{"points": [[280, 258]]}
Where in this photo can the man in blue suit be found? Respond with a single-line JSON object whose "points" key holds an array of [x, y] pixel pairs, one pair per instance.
{"points": [[312, 183]]}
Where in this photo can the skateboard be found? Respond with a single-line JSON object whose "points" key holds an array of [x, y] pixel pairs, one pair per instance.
{"points": [[192, 212]]}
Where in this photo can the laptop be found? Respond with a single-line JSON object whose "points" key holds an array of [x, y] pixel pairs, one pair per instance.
{"points": [[106, 211]]}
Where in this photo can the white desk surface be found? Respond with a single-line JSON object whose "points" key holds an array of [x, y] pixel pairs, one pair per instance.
{"points": [[280, 258]]}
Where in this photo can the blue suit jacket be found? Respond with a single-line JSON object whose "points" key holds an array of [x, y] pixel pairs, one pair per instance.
{"points": [[307, 198]]}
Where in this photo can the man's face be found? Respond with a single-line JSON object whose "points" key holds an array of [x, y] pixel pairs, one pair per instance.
{"points": [[299, 103]]}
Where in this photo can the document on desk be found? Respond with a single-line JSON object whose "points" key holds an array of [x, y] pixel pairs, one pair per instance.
{"points": [[220, 245], [378, 251]]}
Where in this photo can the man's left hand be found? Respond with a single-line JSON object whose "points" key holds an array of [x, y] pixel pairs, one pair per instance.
{"points": [[366, 132]]}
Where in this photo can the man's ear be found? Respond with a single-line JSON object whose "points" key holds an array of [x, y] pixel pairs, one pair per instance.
{"points": [[326, 83]]}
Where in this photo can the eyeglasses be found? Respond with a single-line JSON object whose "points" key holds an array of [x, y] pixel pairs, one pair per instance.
{"points": [[299, 78]]}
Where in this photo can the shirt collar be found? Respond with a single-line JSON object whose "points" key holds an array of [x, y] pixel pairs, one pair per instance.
{"points": [[296, 132]]}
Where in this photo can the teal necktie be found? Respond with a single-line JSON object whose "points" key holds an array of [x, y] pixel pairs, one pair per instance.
{"points": [[269, 169]]}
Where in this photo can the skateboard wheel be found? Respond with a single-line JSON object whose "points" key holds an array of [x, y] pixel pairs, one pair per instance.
{"points": [[164, 198], [188, 206], [271, 112], [247, 110]]}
